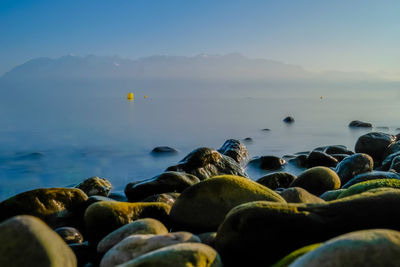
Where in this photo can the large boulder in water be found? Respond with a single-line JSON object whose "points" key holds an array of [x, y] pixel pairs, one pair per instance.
{"points": [[353, 165], [56, 206], [203, 206], [163, 183], [206, 162], [367, 248], [374, 144], [235, 149], [28, 241]]}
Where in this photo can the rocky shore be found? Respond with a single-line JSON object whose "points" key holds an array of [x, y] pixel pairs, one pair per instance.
{"points": [[206, 211]]}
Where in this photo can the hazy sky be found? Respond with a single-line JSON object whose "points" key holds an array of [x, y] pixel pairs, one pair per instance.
{"points": [[316, 34]]}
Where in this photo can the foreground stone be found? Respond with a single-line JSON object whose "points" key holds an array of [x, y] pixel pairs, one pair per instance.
{"points": [[103, 217], [140, 226], [95, 186], [179, 255], [135, 246], [299, 195], [28, 241], [56, 206], [368, 248], [163, 183], [371, 176], [368, 185], [354, 165], [206, 162], [282, 228], [203, 206]]}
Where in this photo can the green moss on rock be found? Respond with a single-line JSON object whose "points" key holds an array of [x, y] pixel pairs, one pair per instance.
{"points": [[368, 185], [287, 260]]}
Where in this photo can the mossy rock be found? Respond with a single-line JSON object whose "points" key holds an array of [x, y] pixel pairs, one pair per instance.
{"points": [[101, 218], [277, 180], [282, 228], [287, 260], [368, 248], [28, 241], [368, 185], [331, 194], [299, 195], [203, 206], [95, 186], [179, 255], [56, 206], [317, 180], [371, 176]]}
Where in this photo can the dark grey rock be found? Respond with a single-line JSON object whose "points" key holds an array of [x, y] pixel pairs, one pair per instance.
{"points": [[338, 149], [374, 144], [300, 161], [360, 124], [69, 234], [164, 150], [277, 180], [317, 158], [267, 162], [395, 164], [288, 119], [354, 165], [371, 176]]}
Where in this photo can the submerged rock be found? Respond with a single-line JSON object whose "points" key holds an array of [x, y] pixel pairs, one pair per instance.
{"points": [[206, 162], [360, 124], [95, 186], [164, 150], [288, 119], [276, 180], [236, 150], [267, 162]]}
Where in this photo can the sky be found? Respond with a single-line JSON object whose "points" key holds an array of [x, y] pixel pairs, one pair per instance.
{"points": [[346, 35]]}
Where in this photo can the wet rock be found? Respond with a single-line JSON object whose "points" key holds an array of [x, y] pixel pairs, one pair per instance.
{"points": [[317, 180], [354, 165], [118, 196], [317, 158], [167, 198], [393, 148], [338, 149], [374, 247], [95, 186], [387, 162], [94, 199], [56, 206], [166, 182], [208, 238], [28, 241], [395, 164], [331, 194], [248, 140], [103, 217], [299, 195], [135, 246], [287, 260], [371, 176], [339, 157], [203, 206], [85, 254], [69, 235], [236, 150], [206, 162], [146, 226], [300, 161], [288, 119], [368, 185], [261, 222], [384, 128], [266, 130], [276, 180], [374, 144], [360, 124], [164, 150], [267, 162], [179, 255]]}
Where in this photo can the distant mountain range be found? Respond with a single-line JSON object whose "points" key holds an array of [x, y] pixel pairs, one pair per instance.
{"points": [[230, 67]]}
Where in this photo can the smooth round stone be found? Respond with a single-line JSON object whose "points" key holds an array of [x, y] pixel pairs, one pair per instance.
{"points": [[167, 198], [208, 238], [374, 144], [395, 164], [317, 180], [248, 140], [331, 194], [135, 246], [360, 124], [299, 195], [318, 158], [393, 148], [288, 259], [368, 185], [140, 226], [276, 180], [267, 162], [299, 161], [28, 241], [354, 165], [367, 248], [387, 162], [164, 150], [179, 255], [69, 235], [118, 196], [338, 149], [95, 186], [371, 176]]}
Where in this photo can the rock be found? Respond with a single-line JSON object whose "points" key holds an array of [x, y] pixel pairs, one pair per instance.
{"points": [[299, 195], [395, 164], [94, 199], [167, 198], [69, 235], [135, 246], [164, 150], [236, 150], [374, 144], [267, 162], [360, 124], [95, 186], [299, 161], [383, 128], [208, 238], [179, 255], [118, 196], [374, 247], [206, 162], [339, 157], [141, 226], [85, 254], [287, 260], [317, 180], [203, 206], [393, 148], [266, 130], [338, 149], [371, 176], [387, 162], [28, 241], [317, 158], [331, 194], [282, 228], [56, 206], [166, 182], [288, 119], [368, 185], [103, 217], [248, 140], [276, 180], [354, 165]]}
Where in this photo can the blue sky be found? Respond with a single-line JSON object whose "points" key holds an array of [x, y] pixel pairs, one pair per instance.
{"points": [[318, 35]]}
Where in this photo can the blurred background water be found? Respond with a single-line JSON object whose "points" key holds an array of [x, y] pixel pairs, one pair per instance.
{"points": [[54, 136]]}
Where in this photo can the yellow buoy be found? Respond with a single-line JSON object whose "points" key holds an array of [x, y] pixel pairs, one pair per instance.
{"points": [[145, 96], [130, 96]]}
